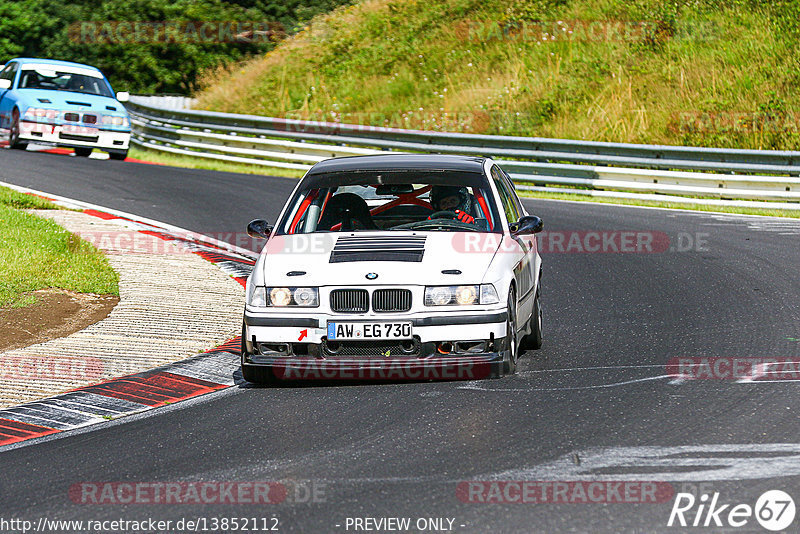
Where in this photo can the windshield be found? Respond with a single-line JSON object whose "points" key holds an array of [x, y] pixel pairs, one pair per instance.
{"points": [[63, 81], [446, 201]]}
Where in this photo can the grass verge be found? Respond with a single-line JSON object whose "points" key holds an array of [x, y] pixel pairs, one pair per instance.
{"points": [[677, 72], [656, 204], [36, 253], [190, 162]]}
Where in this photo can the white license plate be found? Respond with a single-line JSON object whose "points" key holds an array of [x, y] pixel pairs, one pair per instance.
{"points": [[366, 331]]}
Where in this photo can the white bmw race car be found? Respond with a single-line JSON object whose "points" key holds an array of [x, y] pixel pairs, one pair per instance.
{"points": [[394, 267]]}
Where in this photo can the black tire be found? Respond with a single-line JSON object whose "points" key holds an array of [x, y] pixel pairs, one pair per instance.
{"points": [[512, 345], [244, 344], [533, 341], [118, 156], [83, 152], [252, 373], [13, 139], [256, 375]]}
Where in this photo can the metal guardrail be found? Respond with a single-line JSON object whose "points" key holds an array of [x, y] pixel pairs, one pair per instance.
{"points": [[722, 176]]}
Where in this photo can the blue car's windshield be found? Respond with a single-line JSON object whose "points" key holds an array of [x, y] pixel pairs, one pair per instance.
{"points": [[63, 81]]}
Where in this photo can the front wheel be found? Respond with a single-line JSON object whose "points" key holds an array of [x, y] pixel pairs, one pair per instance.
{"points": [[512, 346], [13, 140], [256, 375], [119, 156], [83, 152], [253, 374]]}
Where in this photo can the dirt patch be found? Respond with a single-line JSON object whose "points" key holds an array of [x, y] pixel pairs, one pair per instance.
{"points": [[56, 313]]}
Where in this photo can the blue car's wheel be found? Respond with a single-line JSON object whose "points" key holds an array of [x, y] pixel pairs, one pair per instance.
{"points": [[13, 140]]}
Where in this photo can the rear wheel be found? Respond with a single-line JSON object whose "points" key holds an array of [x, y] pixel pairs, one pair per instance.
{"points": [[13, 140], [512, 347], [83, 152]]}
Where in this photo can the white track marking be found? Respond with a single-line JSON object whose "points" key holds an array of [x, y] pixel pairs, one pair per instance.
{"points": [[479, 386], [667, 463], [760, 370], [612, 367]]}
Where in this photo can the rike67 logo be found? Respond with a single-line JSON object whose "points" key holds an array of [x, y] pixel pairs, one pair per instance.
{"points": [[774, 510]]}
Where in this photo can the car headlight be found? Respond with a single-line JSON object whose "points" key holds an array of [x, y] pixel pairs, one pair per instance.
{"points": [[37, 114], [305, 297], [460, 295], [114, 120]]}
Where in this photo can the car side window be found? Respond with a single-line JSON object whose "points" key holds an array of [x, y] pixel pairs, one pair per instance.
{"points": [[9, 72], [506, 197], [513, 192]]}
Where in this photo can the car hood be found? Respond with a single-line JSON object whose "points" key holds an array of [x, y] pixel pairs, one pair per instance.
{"points": [[397, 258], [67, 101]]}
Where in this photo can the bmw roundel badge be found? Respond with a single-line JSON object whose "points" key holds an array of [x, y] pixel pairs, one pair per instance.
{"points": [[372, 276]]}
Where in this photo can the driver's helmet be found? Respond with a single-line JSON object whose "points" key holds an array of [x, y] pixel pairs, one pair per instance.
{"points": [[441, 192]]}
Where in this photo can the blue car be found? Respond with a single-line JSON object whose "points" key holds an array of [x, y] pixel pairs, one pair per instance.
{"points": [[63, 104]]}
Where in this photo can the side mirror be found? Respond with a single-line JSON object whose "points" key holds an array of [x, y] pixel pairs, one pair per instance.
{"points": [[123, 96], [259, 229], [5, 84], [527, 225]]}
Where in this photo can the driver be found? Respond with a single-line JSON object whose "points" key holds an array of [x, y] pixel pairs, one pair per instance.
{"points": [[453, 198]]}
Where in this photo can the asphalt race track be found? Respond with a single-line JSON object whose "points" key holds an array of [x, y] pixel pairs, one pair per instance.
{"points": [[597, 403]]}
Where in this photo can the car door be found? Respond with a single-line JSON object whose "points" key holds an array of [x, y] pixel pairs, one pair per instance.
{"points": [[525, 268], [9, 72]]}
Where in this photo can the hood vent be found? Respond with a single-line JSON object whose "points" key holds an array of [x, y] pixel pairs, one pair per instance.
{"points": [[44, 100], [73, 103], [389, 248], [111, 108]]}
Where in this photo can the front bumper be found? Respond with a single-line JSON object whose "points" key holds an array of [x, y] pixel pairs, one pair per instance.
{"points": [[289, 328], [296, 348], [57, 134], [472, 367]]}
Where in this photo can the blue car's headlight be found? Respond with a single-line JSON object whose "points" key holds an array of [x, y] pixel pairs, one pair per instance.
{"points": [[115, 120], [40, 114]]}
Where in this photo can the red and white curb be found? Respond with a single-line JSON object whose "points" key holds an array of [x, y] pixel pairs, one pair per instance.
{"points": [[90, 405], [174, 382]]}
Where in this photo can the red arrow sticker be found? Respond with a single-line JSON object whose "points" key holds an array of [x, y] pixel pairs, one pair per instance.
{"points": [[303, 334]]}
